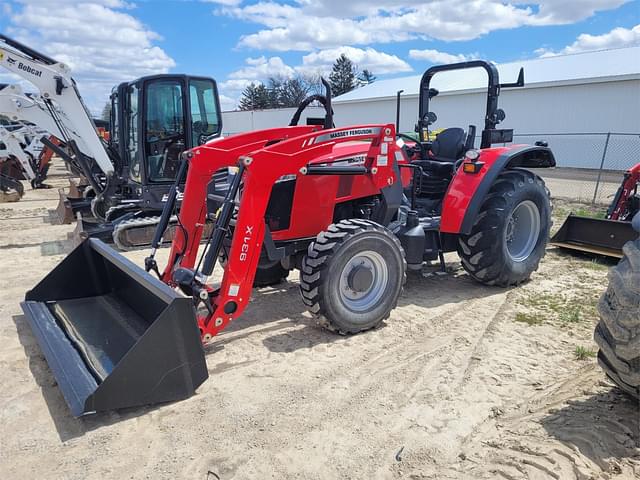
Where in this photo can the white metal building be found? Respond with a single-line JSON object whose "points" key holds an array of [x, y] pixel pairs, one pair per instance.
{"points": [[591, 92]]}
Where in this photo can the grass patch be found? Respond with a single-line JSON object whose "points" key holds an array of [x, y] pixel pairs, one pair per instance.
{"points": [[596, 265], [583, 353], [528, 318], [549, 302], [592, 212], [570, 315]]}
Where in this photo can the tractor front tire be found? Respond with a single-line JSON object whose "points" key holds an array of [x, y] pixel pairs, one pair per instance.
{"points": [[509, 235], [352, 275], [618, 332]]}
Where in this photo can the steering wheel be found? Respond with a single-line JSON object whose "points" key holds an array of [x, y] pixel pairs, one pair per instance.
{"points": [[304, 104], [201, 129]]}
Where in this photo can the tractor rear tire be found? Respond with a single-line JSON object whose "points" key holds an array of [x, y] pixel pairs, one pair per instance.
{"points": [[618, 332], [510, 233], [352, 275]]}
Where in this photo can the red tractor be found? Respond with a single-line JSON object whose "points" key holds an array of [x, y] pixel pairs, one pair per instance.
{"points": [[350, 207]]}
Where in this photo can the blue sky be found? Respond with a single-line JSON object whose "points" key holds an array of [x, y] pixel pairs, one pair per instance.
{"points": [[238, 42]]}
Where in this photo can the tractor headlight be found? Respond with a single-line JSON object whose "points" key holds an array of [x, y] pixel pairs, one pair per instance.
{"points": [[472, 155]]}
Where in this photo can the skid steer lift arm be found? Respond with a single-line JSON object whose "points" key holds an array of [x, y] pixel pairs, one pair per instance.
{"points": [[258, 170], [53, 80]]}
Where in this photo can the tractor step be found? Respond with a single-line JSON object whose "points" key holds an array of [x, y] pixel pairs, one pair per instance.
{"points": [[113, 335]]}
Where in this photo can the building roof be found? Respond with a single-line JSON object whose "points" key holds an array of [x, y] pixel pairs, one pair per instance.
{"points": [[577, 68]]}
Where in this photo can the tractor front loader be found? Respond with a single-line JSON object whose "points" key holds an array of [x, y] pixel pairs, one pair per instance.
{"points": [[352, 208], [605, 236]]}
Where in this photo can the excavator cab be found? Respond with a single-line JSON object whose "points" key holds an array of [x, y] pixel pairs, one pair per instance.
{"points": [[153, 120]]}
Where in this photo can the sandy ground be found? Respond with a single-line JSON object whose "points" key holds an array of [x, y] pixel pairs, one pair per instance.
{"points": [[463, 381]]}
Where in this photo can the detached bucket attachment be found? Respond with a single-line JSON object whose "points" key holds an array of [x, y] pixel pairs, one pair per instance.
{"points": [[84, 229], [113, 335], [68, 207], [594, 235], [76, 187]]}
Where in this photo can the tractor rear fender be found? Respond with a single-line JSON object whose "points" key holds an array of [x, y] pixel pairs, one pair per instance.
{"points": [[467, 191]]}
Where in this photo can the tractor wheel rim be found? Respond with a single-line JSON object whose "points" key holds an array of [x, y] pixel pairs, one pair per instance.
{"points": [[373, 270], [522, 231]]}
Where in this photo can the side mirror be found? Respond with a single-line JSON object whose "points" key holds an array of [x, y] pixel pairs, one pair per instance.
{"points": [[431, 118], [500, 115]]}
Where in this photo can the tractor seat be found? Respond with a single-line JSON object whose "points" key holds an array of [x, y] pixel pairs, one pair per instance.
{"points": [[448, 145]]}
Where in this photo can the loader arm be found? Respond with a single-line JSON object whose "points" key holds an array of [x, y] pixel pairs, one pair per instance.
{"points": [[260, 167], [204, 162], [620, 204], [58, 89], [13, 141]]}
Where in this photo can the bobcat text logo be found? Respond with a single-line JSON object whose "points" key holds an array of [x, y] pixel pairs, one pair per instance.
{"points": [[179, 197], [245, 243], [28, 69]]}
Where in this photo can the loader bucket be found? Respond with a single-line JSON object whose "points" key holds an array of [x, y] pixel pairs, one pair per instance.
{"points": [[594, 235], [113, 335]]}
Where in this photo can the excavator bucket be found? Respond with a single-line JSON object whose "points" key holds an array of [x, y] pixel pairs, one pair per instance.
{"points": [[75, 188], [594, 235], [68, 207], [113, 335]]}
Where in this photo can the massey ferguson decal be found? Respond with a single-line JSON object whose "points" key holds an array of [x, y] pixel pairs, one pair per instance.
{"points": [[356, 132], [356, 160]]}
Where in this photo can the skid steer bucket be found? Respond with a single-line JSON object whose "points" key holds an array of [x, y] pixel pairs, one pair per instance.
{"points": [[594, 235], [113, 335]]}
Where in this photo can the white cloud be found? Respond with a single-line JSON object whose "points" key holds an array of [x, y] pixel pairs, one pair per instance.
{"points": [[103, 45], [369, 58], [618, 37], [435, 56], [228, 103], [262, 67], [310, 24]]}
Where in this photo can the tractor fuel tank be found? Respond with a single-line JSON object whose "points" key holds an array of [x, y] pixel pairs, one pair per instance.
{"points": [[113, 335]]}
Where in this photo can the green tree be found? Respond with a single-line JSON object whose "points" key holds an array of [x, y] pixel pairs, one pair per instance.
{"points": [[366, 77], [291, 92], [343, 76], [255, 97]]}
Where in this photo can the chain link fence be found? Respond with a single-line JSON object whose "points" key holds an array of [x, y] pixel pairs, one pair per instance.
{"points": [[589, 165]]}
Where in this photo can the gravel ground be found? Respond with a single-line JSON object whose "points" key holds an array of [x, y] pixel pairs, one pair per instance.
{"points": [[462, 381]]}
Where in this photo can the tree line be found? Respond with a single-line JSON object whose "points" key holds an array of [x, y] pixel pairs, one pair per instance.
{"points": [[289, 92]]}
